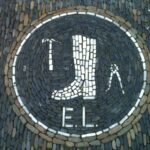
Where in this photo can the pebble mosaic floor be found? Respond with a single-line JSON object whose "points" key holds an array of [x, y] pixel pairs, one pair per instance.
{"points": [[74, 69], [88, 61]]}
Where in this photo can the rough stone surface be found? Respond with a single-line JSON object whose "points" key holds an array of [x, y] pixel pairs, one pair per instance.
{"points": [[46, 137], [124, 130], [33, 129], [44, 84], [95, 143], [82, 144], [14, 132], [69, 144]]}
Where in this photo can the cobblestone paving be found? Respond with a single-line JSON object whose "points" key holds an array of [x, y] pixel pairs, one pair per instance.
{"points": [[15, 132]]}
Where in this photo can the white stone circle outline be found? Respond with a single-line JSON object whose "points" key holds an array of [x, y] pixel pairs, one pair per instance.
{"points": [[113, 125]]}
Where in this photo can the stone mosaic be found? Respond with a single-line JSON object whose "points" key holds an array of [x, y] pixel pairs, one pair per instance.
{"points": [[77, 76], [15, 128]]}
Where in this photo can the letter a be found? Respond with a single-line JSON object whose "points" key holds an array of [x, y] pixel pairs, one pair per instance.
{"points": [[114, 71]]}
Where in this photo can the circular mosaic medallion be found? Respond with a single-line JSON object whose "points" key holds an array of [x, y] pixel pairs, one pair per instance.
{"points": [[79, 74]]}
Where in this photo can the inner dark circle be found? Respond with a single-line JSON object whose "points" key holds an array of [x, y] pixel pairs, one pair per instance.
{"points": [[36, 83]]}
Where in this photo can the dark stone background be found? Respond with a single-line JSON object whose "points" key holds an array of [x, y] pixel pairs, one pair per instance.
{"points": [[13, 134], [36, 84]]}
